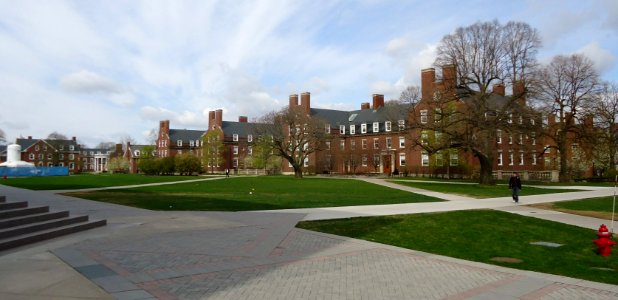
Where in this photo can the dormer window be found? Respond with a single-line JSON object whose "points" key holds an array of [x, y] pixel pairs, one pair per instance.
{"points": [[341, 129], [179, 143], [71, 147], [376, 127], [61, 147], [387, 126], [235, 137], [327, 128], [402, 124], [191, 143], [364, 128], [352, 129], [136, 153], [250, 138]]}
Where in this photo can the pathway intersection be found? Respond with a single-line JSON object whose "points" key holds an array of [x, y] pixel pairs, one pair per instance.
{"points": [[144, 254]]}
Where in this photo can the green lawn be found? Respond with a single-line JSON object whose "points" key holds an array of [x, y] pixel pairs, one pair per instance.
{"points": [[84, 181], [256, 193], [482, 235], [475, 190], [600, 207]]}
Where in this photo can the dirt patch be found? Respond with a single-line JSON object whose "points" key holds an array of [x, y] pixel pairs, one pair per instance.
{"points": [[510, 260]]}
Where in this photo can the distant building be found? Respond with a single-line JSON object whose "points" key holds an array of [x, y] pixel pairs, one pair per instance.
{"points": [[51, 152], [95, 160]]}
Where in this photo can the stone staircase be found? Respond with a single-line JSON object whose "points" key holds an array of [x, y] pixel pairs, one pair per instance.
{"points": [[21, 225]]}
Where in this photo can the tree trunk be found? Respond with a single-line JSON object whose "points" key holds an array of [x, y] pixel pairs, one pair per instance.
{"points": [[298, 172], [486, 172]]}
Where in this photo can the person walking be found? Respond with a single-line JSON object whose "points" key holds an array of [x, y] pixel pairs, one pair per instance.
{"points": [[515, 186], [227, 172]]}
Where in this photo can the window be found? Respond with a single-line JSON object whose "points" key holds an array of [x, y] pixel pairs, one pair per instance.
{"points": [[179, 151], [71, 156], [40, 164], [61, 156], [40, 155], [521, 158], [364, 160], [235, 149], [532, 122], [424, 159], [250, 150], [402, 159], [327, 145], [353, 144], [364, 128], [402, 142], [71, 147], [49, 164], [61, 147], [191, 143], [31, 156], [327, 128], [364, 144], [342, 145], [376, 127], [521, 139], [499, 136], [250, 138], [352, 129], [534, 158], [235, 137], [402, 125], [179, 143], [454, 159], [306, 162], [235, 163], [36, 148], [71, 166], [521, 120], [424, 137], [376, 143], [341, 129], [510, 118], [437, 115], [500, 158], [545, 121], [61, 164], [510, 158], [533, 138], [510, 139], [389, 143], [557, 118], [136, 153], [387, 126], [424, 116], [438, 136], [439, 159]]}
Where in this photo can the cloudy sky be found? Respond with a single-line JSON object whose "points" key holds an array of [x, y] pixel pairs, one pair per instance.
{"points": [[104, 70]]}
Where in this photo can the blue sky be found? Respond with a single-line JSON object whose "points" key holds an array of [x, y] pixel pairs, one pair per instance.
{"points": [[104, 70]]}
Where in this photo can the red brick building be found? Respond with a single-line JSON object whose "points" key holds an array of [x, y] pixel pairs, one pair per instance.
{"points": [[51, 152]]}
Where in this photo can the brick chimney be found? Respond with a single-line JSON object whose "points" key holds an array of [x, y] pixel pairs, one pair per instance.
{"points": [[428, 79], [211, 119], [74, 139], [164, 127], [219, 118], [29, 137], [365, 105], [305, 102], [118, 150], [378, 101], [519, 92], [242, 119], [498, 88], [449, 77], [293, 100]]}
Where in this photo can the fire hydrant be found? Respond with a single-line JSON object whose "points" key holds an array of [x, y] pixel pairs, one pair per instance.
{"points": [[604, 243]]}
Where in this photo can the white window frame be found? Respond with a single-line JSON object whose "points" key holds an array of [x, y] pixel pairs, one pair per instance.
{"points": [[402, 142], [534, 158], [376, 143], [364, 128], [352, 129], [235, 137], [500, 161], [250, 138], [389, 143], [342, 129], [511, 158], [71, 156], [327, 128], [402, 124], [179, 143], [387, 126], [364, 144], [191, 143], [341, 145], [402, 159], [521, 158], [364, 160], [424, 115], [376, 127], [71, 147], [454, 159], [327, 145], [250, 150], [31, 156], [499, 136]]}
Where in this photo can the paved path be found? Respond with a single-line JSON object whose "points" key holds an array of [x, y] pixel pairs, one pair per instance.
{"points": [[260, 255]]}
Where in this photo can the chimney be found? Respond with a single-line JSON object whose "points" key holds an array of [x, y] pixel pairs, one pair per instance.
{"points": [[118, 150], [74, 139], [498, 88], [242, 119], [164, 127], [29, 137], [219, 118], [305, 102], [428, 78], [378, 101], [519, 92], [293, 100], [365, 105], [449, 77], [211, 119]]}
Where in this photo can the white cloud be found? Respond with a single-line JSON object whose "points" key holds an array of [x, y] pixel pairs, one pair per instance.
{"points": [[603, 59], [88, 82]]}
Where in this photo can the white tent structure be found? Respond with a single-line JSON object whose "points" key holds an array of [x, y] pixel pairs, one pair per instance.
{"points": [[13, 158]]}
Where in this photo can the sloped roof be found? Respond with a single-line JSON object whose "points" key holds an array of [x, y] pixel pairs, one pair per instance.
{"points": [[185, 134], [382, 114], [243, 129]]}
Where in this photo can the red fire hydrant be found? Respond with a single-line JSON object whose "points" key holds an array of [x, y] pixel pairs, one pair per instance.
{"points": [[604, 243]]}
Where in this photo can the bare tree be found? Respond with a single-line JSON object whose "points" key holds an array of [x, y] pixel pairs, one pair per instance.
{"points": [[410, 95], [127, 139], [2, 137], [568, 87], [212, 149], [295, 135], [465, 113], [605, 110], [57, 136], [152, 136], [106, 145]]}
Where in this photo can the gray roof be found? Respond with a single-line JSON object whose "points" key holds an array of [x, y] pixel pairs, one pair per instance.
{"points": [[243, 129], [27, 143], [2, 149], [185, 135], [368, 116]]}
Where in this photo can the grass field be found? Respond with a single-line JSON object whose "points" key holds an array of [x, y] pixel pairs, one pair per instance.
{"points": [[256, 193], [484, 235], [592, 207], [475, 190], [84, 181]]}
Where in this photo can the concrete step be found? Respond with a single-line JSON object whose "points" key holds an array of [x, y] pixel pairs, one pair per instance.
{"points": [[44, 225], [28, 219], [13, 205], [16, 241], [11, 213]]}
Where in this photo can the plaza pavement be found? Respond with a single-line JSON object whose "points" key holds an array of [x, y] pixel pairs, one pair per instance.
{"points": [[261, 255]]}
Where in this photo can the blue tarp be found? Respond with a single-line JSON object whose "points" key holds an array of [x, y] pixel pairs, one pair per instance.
{"points": [[34, 171]]}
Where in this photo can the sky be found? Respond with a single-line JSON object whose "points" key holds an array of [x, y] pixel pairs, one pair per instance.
{"points": [[103, 71]]}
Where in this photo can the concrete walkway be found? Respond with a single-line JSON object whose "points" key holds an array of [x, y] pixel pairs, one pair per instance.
{"points": [[261, 255]]}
